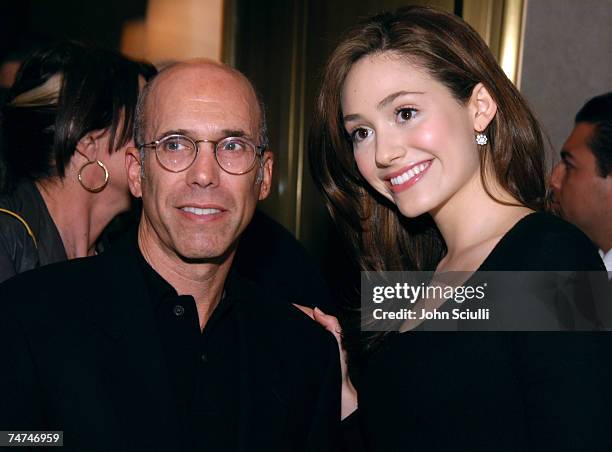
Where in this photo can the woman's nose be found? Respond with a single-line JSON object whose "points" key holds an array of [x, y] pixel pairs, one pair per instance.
{"points": [[388, 149]]}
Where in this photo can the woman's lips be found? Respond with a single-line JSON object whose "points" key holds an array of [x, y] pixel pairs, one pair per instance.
{"points": [[409, 176]]}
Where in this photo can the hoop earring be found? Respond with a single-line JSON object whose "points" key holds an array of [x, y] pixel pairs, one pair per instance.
{"points": [[94, 189], [481, 139]]}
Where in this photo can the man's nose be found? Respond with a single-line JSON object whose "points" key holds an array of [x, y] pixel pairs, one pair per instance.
{"points": [[388, 149], [204, 171], [556, 176]]}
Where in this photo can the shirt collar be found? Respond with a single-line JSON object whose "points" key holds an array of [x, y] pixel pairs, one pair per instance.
{"points": [[607, 258], [157, 287], [235, 289]]}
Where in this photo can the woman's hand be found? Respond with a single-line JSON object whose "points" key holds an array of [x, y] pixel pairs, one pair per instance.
{"points": [[331, 324]]}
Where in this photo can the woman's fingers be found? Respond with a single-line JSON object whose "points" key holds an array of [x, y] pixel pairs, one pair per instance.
{"points": [[330, 322], [306, 310]]}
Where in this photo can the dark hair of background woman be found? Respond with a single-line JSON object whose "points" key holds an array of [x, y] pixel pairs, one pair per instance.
{"points": [[98, 90], [453, 54]]}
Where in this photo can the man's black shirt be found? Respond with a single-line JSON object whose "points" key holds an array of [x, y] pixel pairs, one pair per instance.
{"points": [[90, 350], [202, 365]]}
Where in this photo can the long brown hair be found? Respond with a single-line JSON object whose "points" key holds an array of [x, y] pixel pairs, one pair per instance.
{"points": [[453, 54]]}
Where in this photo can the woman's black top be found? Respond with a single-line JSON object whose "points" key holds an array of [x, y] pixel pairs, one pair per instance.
{"points": [[19, 251], [495, 391]]}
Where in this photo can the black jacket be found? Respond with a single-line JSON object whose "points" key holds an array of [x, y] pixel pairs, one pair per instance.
{"points": [[19, 252], [80, 354]]}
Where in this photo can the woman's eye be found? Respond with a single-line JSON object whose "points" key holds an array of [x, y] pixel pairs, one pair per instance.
{"points": [[405, 114], [360, 134]]}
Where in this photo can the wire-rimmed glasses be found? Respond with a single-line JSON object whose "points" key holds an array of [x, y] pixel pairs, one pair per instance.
{"points": [[235, 155]]}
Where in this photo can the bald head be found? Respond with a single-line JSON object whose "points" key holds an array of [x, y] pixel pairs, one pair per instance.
{"points": [[195, 78]]}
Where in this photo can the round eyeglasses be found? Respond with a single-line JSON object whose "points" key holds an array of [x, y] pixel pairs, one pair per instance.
{"points": [[235, 155]]}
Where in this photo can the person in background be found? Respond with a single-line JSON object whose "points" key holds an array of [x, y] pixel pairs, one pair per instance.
{"points": [[66, 124], [582, 180]]}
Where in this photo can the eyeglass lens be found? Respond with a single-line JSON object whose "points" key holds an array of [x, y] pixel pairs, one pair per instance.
{"points": [[234, 155]]}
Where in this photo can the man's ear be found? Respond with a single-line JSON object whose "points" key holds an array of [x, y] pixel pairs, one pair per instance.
{"points": [[482, 107], [134, 171], [266, 181]]}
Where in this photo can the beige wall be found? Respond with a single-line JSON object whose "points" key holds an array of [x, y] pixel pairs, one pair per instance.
{"points": [[176, 30], [567, 58], [282, 46]]}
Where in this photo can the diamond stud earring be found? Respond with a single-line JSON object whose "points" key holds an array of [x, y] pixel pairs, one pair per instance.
{"points": [[481, 139]]}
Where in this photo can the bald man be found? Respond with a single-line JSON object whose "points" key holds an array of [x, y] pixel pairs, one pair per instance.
{"points": [[157, 344]]}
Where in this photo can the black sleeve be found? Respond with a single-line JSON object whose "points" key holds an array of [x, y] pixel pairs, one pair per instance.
{"points": [[581, 272], [352, 436], [17, 250], [562, 250], [272, 257], [324, 429], [7, 245], [565, 381], [7, 268], [20, 408]]}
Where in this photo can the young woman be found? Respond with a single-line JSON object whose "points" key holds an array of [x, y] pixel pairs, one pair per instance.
{"points": [[429, 159], [66, 124]]}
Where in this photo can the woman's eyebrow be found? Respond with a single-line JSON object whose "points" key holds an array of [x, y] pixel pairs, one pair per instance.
{"points": [[383, 103], [353, 117], [391, 97]]}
